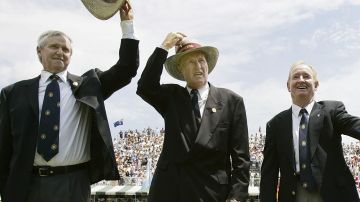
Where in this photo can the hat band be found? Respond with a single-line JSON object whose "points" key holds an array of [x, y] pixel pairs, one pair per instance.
{"points": [[187, 47]]}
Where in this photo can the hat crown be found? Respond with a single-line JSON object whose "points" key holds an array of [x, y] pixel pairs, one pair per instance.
{"points": [[187, 44]]}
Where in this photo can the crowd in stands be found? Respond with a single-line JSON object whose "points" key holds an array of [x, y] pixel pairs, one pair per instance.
{"points": [[256, 145], [352, 158], [137, 153]]}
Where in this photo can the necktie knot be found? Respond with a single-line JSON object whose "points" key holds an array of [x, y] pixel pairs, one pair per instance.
{"points": [[303, 111], [194, 92], [54, 77]]}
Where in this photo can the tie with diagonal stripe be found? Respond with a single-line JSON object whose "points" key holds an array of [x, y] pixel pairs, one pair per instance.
{"points": [[48, 138], [306, 177], [195, 106]]}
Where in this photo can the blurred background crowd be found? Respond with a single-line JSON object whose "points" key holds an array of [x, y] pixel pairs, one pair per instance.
{"points": [[137, 152]]}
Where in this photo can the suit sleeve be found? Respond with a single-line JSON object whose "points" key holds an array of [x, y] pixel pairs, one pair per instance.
{"points": [[239, 151], [5, 141], [346, 123], [270, 167], [149, 87], [123, 71]]}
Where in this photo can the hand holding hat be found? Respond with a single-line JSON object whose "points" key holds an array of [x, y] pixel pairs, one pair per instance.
{"points": [[126, 11], [172, 39]]}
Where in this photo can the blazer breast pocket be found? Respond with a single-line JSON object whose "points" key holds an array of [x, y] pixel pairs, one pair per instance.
{"points": [[222, 125]]}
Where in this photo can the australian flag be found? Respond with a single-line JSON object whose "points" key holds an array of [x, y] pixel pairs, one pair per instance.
{"points": [[118, 123]]}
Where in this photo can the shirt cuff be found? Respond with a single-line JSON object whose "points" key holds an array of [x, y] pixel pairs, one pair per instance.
{"points": [[163, 48], [127, 28]]}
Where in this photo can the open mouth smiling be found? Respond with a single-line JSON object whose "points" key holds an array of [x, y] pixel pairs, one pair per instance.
{"points": [[301, 87]]}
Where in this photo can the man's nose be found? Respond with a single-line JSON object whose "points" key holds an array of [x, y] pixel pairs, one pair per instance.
{"points": [[198, 65], [59, 51]]}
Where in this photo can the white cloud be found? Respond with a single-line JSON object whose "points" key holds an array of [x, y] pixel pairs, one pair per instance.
{"points": [[346, 35]]}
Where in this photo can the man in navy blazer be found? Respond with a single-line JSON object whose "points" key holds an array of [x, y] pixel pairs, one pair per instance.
{"points": [[85, 150], [282, 169], [205, 154]]}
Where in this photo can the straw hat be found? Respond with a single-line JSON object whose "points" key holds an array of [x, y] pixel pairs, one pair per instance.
{"points": [[188, 46], [103, 9]]}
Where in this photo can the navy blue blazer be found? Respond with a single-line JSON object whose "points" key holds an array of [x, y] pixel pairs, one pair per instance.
{"points": [[328, 120]]}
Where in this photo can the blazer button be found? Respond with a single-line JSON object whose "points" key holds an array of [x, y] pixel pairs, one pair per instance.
{"points": [[293, 192]]}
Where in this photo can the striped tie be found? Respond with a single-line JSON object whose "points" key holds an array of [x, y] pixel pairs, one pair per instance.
{"points": [[195, 106]]}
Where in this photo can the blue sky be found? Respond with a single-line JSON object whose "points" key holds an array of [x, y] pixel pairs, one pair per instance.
{"points": [[258, 41]]}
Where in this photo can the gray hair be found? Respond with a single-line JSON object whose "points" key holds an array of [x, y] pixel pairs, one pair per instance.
{"points": [[51, 33], [302, 63]]}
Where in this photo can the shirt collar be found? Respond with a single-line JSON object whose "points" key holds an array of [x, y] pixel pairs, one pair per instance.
{"points": [[296, 109], [203, 91], [45, 76]]}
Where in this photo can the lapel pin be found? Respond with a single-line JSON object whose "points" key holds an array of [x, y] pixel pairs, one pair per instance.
{"points": [[75, 83], [213, 110]]}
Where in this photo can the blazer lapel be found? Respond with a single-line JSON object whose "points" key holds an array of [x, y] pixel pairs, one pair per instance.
{"points": [[287, 139], [187, 118], [211, 116], [75, 82], [84, 96], [33, 94], [315, 126]]}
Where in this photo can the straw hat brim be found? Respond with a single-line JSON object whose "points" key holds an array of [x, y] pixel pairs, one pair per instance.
{"points": [[173, 62], [102, 10]]}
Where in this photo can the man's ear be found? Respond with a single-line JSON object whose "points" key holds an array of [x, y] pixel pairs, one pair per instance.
{"points": [[288, 86], [316, 84], [38, 52]]}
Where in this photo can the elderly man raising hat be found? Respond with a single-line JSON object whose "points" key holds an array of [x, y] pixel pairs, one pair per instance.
{"points": [[205, 154]]}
